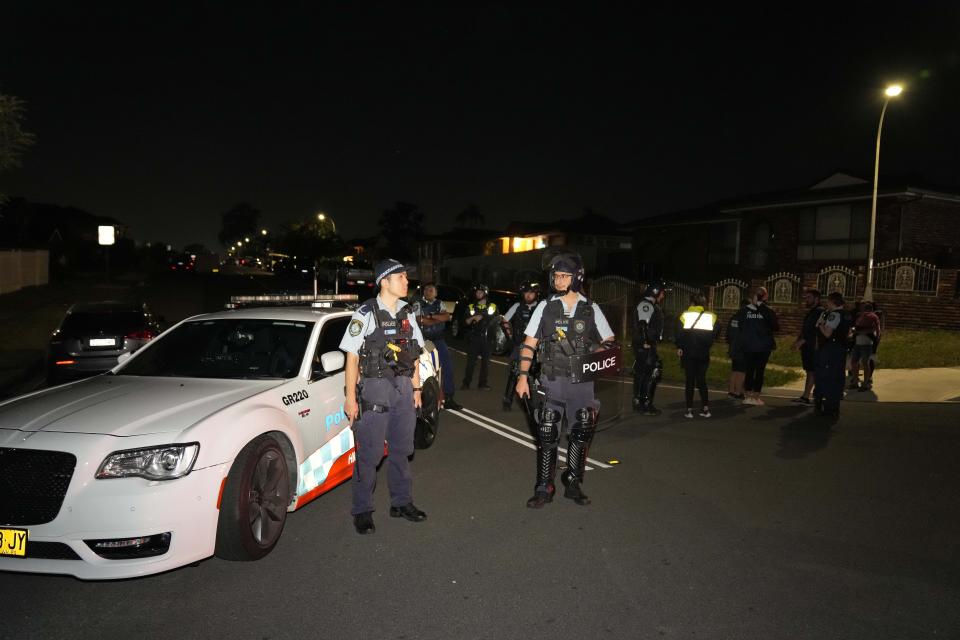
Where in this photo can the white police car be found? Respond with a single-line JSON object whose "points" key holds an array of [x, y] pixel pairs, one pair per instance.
{"points": [[198, 444]]}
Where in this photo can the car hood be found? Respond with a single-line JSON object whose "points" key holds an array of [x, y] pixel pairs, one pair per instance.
{"points": [[126, 405]]}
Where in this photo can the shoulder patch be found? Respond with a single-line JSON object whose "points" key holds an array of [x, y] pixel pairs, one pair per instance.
{"points": [[355, 328]]}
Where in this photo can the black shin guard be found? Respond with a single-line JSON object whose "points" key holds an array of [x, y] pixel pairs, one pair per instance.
{"points": [[581, 435]]}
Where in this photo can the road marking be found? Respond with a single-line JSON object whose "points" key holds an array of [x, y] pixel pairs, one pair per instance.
{"points": [[493, 360], [527, 435], [501, 433], [526, 443]]}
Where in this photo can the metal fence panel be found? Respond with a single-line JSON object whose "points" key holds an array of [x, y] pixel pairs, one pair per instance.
{"points": [[906, 275], [784, 288], [837, 278]]}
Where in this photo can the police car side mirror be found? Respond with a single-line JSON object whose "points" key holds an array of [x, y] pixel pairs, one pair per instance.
{"points": [[332, 361]]}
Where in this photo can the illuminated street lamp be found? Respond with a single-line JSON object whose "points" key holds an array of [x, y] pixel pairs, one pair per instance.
{"points": [[892, 91], [263, 232]]}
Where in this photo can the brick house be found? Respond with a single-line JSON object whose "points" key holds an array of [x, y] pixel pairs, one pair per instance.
{"points": [[817, 237]]}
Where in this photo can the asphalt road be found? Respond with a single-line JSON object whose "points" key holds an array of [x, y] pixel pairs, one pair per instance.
{"points": [[756, 523]]}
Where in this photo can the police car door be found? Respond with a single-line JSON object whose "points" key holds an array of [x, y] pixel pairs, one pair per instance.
{"points": [[326, 418]]}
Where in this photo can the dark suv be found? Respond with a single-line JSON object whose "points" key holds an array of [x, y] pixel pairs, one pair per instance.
{"points": [[94, 334]]}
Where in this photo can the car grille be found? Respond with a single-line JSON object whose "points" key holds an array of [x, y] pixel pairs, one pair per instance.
{"points": [[51, 551], [33, 484]]}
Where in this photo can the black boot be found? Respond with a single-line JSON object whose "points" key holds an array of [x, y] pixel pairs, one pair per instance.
{"points": [[546, 470], [548, 437]]}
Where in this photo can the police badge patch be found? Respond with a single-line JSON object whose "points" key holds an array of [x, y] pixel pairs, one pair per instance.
{"points": [[355, 328], [579, 326]]}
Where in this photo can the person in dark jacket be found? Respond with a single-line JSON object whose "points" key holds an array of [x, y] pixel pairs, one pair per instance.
{"points": [[806, 342], [737, 367], [758, 323], [696, 331]]}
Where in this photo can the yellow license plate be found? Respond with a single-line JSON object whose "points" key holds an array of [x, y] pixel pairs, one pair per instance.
{"points": [[13, 542]]}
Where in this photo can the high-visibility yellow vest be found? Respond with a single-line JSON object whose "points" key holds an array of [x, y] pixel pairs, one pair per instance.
{"points": [[698, 320]]}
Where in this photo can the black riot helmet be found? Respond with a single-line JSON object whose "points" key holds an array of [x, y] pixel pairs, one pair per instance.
{"points": [[482, 287], [567, 262], [530, 286], [655, 288]]}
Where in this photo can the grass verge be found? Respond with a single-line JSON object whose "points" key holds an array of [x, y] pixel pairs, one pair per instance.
{"points": [[899, 349]]}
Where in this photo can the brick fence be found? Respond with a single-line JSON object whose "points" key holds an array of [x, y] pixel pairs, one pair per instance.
{"points": [[900, 310]]}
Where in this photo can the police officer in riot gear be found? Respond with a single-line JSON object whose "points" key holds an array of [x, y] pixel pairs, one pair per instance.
{"points": [[832, 329], [647, 327], [515, 321], [383, 344], [562, 329], [481, 315]]}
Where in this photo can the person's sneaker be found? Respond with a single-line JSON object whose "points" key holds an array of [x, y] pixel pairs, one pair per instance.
{"points": [[651, 411], [854, 384], [732, 394], [866, 386], [452, 404], [749, 401], [688, 414], [759, 402], [705, 412], [801, 400]]}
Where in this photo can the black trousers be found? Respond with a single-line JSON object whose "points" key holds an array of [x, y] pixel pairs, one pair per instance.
{"points": [[696, 370], [477, 345], [756, 364]]}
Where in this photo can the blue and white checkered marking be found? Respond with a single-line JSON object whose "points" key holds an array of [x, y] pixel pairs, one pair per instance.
{"points": [[315, 469]]}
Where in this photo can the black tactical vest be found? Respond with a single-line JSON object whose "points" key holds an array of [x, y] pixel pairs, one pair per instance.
{"points": [[840, 334], [390, 349], [561, 336], [520, 320]]}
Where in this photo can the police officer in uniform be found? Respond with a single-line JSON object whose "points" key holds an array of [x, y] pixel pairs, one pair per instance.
{"points": [[515, 321], [647, 333], [433, 319], [481, 315], [383, 344], [832, 329], [567, 324]]}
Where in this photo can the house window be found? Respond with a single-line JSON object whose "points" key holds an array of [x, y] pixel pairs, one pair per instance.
{"points": [[723, 243], [759, 249], [834, 232]]}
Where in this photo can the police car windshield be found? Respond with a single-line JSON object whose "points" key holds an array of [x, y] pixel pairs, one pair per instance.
{"points": [[231, 348]]}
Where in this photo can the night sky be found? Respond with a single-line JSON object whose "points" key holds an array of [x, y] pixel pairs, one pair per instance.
{"points": [[165, 120]]}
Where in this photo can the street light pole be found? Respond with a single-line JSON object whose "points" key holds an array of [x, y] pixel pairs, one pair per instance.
{"points": [[891, 92]]}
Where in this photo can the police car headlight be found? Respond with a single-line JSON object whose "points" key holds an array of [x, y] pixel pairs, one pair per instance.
{"points": [[166, 462]]}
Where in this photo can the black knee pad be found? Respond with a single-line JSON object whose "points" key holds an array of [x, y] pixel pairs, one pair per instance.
{"points": [[549, 428]]}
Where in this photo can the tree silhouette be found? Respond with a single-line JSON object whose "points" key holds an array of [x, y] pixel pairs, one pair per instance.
{"points": [[471, 217], [239, 222], [400, 227], [13, 139]]}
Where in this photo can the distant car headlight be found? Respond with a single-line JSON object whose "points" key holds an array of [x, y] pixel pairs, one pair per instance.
{"points": [[165, 462]]}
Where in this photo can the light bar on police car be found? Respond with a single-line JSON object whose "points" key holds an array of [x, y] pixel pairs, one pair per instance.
{"points": [[282, 297]]}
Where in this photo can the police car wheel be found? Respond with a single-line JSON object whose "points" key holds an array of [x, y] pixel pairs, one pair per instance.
{"points": [[428, 420], [253, 509]]}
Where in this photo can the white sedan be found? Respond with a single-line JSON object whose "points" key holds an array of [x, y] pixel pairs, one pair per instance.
{"points": [[198, 444]]}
